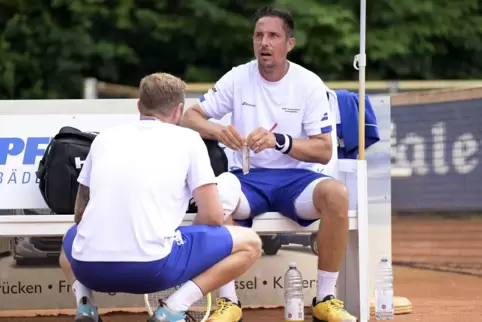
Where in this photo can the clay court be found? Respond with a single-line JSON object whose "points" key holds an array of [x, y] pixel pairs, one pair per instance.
{"points": [[439, 269]]}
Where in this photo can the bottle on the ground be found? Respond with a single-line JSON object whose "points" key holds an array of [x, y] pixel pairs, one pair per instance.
{"points": [[294, 301], [384, 309]]}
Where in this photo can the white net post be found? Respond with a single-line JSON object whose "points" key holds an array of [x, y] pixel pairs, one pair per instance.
{"points": [[90, 88]]}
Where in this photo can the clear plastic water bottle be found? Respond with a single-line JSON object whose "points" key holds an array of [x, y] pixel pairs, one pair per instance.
{"points": [[294, 302], [384, 290]]}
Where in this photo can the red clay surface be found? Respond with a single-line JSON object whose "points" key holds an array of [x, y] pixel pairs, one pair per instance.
{"points": [[441, 244]]}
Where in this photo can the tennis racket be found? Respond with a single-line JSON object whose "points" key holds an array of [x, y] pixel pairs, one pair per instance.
{"points": [[199, 311]]}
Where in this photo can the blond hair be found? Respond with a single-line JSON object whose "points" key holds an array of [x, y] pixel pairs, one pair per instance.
{"points": [[160, 93]]}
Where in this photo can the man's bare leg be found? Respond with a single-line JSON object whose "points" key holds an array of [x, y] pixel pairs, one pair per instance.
{"points": [[83, 296], [330, 198], [78, 289], [229, 189], [66, 268], [228, 290]]}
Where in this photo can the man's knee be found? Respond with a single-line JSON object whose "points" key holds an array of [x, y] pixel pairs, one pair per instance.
{"points": [[330, 195], [229, 189], [245, 239]]}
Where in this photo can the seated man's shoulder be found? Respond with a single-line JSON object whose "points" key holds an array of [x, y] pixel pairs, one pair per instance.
{"points": [[244, 70], [246, 67], [306, 77]]}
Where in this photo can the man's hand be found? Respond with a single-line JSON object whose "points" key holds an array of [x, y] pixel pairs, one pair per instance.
{"points": [[230, 137], [261, 139]]}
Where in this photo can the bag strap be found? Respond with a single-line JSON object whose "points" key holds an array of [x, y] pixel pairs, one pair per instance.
{"points": [[42, 167], [68, 131]]}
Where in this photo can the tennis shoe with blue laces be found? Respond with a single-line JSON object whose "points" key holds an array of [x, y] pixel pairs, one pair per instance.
{"points": [[86, 312]]}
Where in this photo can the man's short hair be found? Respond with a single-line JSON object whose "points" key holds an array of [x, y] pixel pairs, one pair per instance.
{"points": [[285, 15], [160, 93]]}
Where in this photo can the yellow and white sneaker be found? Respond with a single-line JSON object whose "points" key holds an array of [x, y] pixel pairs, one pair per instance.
{"points": [[330, 310], [226, 311]]}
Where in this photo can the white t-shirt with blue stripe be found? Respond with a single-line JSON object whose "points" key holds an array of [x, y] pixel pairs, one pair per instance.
{"points": [[298, 103]]}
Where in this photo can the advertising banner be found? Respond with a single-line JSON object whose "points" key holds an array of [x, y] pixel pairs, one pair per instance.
{"points": [[440, 143], [30, 278]]}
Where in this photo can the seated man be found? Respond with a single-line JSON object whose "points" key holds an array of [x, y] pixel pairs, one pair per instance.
{"points": [[260, 94], [134, 188]]}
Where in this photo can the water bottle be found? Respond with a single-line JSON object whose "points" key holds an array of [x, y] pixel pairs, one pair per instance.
{"points": [[294, 302], [384, 290]]}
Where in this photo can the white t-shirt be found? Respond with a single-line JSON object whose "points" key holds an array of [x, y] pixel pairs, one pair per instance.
{"points": [[298, 103], [141, 177]]}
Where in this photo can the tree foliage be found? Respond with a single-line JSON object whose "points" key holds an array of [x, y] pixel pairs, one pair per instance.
{"points": [[47, 47]]}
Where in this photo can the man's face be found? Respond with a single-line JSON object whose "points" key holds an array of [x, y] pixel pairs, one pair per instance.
{"points": [[271, 43]]}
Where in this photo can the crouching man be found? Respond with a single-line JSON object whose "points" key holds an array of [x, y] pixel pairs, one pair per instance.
{"points": [[134, 188]]}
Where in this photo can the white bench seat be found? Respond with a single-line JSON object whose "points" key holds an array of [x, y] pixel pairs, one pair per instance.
{"points": [[57, 225]]}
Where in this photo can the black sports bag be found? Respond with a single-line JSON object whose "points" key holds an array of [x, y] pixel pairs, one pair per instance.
{"points": [[60, 167]]}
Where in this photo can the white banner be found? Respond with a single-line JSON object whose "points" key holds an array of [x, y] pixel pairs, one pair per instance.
{"points": [[24, 138]]}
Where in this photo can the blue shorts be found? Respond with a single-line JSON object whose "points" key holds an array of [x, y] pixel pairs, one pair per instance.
{"points": [[275, 190], [203, 247]]}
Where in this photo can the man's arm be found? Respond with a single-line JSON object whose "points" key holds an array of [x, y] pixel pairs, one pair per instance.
{"points": [[81, 201], [202, 184], [317, 149], [196, 119], [216, 103], [317, 124], [210, 209], [83, 192]]}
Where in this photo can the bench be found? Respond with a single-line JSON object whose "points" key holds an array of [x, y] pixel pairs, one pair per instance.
{"points": [[353, 281]]}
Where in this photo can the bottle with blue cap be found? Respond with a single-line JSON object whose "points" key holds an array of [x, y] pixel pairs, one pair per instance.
{"points": [[294, 301]]}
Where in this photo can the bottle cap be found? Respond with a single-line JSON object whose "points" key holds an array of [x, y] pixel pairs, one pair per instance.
{"points": [[292, 264]]}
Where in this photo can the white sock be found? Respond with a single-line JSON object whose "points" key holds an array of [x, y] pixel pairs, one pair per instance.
{"points": [[229, 291], [181, 300], [80, 291], [326, 284]]}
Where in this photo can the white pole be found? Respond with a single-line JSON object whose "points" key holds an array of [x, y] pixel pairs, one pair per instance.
{"points": [[362, 62], [90, 88], [362, 180]]}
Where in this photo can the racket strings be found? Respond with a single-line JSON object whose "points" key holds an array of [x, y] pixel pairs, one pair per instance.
{"points": [[188, 318], [196, 313]]}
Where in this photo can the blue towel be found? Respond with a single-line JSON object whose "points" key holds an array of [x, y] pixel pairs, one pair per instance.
{"points": [[347, 130]]}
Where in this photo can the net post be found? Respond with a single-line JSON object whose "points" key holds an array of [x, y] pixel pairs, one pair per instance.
{"points": [[362, 60]]}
